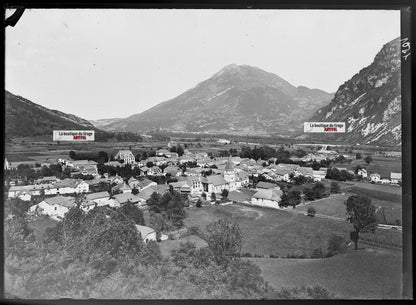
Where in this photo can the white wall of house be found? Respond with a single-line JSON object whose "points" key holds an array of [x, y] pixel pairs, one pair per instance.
{"points": [[265, 203], [82, 187], [51, 210], [150, 236]]}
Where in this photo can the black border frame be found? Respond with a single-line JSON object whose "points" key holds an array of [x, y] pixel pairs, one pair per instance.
{"points": [[407, 80]]}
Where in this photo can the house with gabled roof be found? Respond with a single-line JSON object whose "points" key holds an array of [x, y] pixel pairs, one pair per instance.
{"points": [[267, 198], [55, 207], [146, 233], [145, 183], [125, 198], [122, 187]]}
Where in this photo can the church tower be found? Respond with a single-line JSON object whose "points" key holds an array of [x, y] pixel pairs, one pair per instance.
{"points": [[229, 172]]}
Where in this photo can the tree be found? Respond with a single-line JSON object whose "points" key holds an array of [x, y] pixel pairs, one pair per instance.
{"points": [[319, 189], [224, 238], [224, 193], [102, 157], [311, 211], [213, 196], [72, 155], [361, 214], [358, 156], [335, 189], [368, 159], [294, 198], [134, 191], [153, 203], [336, 244], [130, 211], [284, 200]]}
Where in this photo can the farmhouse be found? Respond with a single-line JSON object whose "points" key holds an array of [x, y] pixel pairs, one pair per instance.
{"points": [[100, 198], [267, 198], [145, 183], [146, 233], [122, 187], [319, 175], [396, 177], [125, 198], [55, 207], [133, 183]]}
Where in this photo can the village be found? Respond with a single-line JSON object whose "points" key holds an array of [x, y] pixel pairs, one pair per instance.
{"points": [[200, 178]]}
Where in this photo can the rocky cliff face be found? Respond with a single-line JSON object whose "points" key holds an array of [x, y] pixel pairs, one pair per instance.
{"points": [[369, 103], [237, 100]]}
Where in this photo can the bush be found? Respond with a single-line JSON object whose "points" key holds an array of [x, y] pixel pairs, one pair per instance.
{"points": [[198, 203], [311, 211], [296, 254], [311, 292], [317, 253], [274, 255], [336, 244]]}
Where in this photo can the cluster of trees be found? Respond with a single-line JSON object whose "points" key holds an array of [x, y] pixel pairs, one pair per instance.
{"points": [[100, 157], [28, 174], [166, 211], [177, 149], [125, 171], [335, 174], [264, 152], [318, 191], [299, 180], [290, 198], [105, 136]]}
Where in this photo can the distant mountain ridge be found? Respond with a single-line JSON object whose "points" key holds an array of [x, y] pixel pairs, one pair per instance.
{"points": [[239, 99], [369, 103], [24, 118]]}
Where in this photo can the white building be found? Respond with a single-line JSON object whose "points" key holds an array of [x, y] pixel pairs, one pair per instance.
{"points": [[375, 178], [146, 233], [362, 172], [126, 155], [55, 207], [267, 198], [396, 177]]}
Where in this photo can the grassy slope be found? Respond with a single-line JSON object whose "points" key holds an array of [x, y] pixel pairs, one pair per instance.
{"points": [[268, 231], [356, 274]]}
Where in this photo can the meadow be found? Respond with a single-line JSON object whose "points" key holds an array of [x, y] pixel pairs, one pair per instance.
{"points": [[363, 274], [282, 233]]}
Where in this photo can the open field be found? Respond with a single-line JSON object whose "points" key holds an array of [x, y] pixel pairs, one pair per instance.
{"points": [[367, 274], [268, 231], [381, 165], [377, 194], [334, 206]]}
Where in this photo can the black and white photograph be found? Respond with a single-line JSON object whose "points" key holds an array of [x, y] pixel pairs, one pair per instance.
{"points": [[206, 154]]}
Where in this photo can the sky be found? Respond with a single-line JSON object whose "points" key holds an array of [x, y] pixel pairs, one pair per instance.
{"points": [[113, 63]]}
